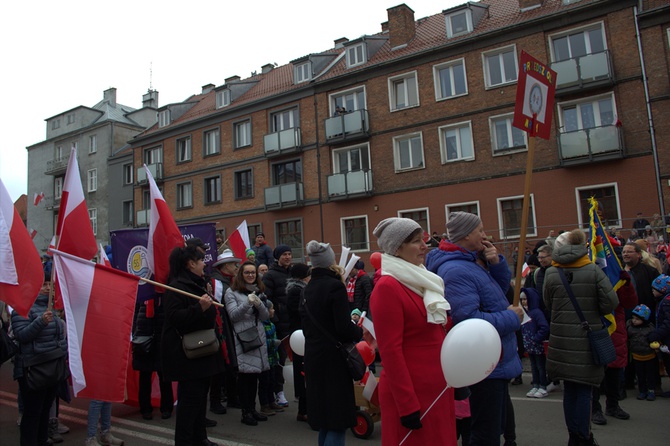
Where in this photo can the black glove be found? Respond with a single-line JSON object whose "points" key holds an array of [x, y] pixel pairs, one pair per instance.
{"points": [[412, 421], [461, 393]]}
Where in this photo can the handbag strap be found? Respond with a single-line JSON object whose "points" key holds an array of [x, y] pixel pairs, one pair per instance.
{"points": [[328, 336], [568, 289]]}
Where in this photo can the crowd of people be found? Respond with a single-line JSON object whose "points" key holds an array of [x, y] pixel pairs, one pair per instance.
{"points": [[422, 287]]}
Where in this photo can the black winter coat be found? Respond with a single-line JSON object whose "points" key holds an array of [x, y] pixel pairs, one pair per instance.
{"points": [[275, 289], [362, 293], [183, 315], [144, 326], [330, 389], [294, 290]]}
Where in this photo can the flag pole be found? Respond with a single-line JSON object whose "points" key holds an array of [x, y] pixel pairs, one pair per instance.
{"points": [[52, 289], [524, 216]]}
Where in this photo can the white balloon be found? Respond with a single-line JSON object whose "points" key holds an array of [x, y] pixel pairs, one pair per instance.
{"points": [[297, 342], [287, 372], [470, 352]]}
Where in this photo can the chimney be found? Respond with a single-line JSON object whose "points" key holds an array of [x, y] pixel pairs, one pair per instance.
{"points": [[207, 88], [402, 28], [526, 5], [150, 99], [109, 95], [339, 43], [385, 27], [232, 79], [267, 68]]}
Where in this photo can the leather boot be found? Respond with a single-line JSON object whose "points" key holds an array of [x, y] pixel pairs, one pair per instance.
{"points": [[257, 416], [248, 418]]}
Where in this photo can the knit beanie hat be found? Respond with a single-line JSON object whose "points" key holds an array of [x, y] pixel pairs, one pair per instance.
{"points": [[461, 224], [391, 232], [299, 271], [281, 249], [356, 311], [360, 265], [321, 254], [561, 240]]}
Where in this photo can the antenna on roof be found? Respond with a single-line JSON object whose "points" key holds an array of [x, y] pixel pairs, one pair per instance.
{"points": [[151, 74]]}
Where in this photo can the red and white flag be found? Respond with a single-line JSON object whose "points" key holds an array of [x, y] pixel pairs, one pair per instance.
{"points": [[164, 235], [99, 303], [21, 273], [370, 389], [102, 257], [33, 233], [38, 197], [74, 232], [525, 269], [239, 241]]}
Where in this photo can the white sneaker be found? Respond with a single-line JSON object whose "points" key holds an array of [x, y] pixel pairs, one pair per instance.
{"points": [[531, 393], [553, 387], [106, 438], [541, 393], [62, 429], [92, 441], [281, 399]]}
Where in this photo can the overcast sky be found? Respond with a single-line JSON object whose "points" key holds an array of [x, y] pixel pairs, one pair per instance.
{"points": [[60, 55]]}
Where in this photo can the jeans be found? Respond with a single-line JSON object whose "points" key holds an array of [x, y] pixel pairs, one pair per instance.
{"points": [[488, 409], [331, 438], [191, 410], [577, 407], [647, 374], [35, 419], [538, 367], [99, 410]]}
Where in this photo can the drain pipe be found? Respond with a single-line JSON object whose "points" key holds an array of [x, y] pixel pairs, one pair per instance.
{"points": [[652, 133]]}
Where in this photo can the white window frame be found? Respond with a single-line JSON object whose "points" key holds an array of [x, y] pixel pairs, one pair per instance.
{"points": [[242, 128], [352, 99], [581, 29], [509, 118], [497, 54], [396, 152], [207, 140], [499, 202], [361, 147], [206, 189], [448, 208], [92, 180], [59, 153], [402, 214], [468, 23], [442, 131], [407, 97], [343, 232], [581, 217], [93, 217], [92, 144], [154, 155], [185, 195], [222, 98], [278, 117], [184, 149], [439, 94], [356, 55], [128, 174], [303, 72], [594, 101], [128, 205], [58, 187], [164, 118]]}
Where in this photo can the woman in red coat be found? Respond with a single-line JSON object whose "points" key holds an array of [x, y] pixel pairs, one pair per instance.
{"points": [[410, 324]]}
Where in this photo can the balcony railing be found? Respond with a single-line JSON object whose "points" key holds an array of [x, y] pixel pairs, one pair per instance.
{"points": [[345, 185], [51, 202], [580, 72], [156, 172], [57, 165], [595, 144], [347, 126], [143, 217], [284, 195], [285, 141]]}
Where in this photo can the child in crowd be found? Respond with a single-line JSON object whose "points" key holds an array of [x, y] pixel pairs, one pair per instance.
{"points": [[356, 315], [661, 334], [646, 363], [534, 333], [265, 383], [100, 410]]}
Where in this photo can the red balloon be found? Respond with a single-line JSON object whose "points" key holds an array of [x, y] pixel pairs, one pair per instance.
{"points": [[367, 352], [376, 260]]}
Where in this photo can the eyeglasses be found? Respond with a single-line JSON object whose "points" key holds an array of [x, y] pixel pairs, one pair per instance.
{"points": [[542, 257], [249, 273]]}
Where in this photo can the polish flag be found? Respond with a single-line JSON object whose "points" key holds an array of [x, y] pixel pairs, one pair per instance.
{"points": [[370, 390], [102, 257], [164, 235], [74, 232], [33, 233], [525, 269], [239, 241], [21, 273], [99, 303], [38, 198]]}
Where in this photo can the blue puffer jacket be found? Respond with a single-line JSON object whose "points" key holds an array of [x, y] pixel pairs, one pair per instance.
{"points": [[474, 292], [36, 336]]}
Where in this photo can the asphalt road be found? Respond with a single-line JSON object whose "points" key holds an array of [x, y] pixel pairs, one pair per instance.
{"points": [[539, 422]]}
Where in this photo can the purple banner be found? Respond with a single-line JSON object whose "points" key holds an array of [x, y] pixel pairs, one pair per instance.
{"points": [[129, 251]]}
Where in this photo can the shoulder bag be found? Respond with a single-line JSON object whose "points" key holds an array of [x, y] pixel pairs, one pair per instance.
{"points": [[602, 346], [46, 369], [142, 344], [249, 339], [200, 343], [352, 356]]}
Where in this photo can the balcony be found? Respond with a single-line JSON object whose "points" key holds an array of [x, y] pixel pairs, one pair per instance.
{"points": [[51, 203], [349, 184], [279, 143], [57, 166], [595, 144], [347, 127], [156, 172], [143, 217], [284, 195], [592, 70]]}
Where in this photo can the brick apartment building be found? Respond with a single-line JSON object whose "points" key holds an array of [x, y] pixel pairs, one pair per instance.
{"points": [[426, 128]]}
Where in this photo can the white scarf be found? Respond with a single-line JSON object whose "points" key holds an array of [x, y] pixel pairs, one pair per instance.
{"points": [[424, 283]]}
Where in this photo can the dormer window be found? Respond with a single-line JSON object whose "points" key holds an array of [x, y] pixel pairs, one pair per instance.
{"points": [[164, 118], [459, 23], [303, 72], [222, 98], [356, 55]]}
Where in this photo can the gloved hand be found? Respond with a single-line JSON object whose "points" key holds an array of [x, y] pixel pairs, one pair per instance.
{"points": [[655, 345], [412, 421], [254, 300]]}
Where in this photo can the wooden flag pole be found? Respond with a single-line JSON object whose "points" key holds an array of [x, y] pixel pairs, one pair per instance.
{"points": [[177, 290], [524, 219]]}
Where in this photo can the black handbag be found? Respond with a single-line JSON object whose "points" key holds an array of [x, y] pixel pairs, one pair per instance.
{"points": [[249, 339], [45, 370], [8, 348], [142, 344], [200, 343], [602, 346], [352, 357]]}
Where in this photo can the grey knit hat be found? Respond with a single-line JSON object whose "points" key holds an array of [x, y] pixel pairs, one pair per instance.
{"points": [[391, 232], [461, 224], [321, 254]]}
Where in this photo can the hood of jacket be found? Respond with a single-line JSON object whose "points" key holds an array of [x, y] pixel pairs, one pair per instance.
{"points": [[532, 298], [445, 252], [567, 254], [292, 282]]}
